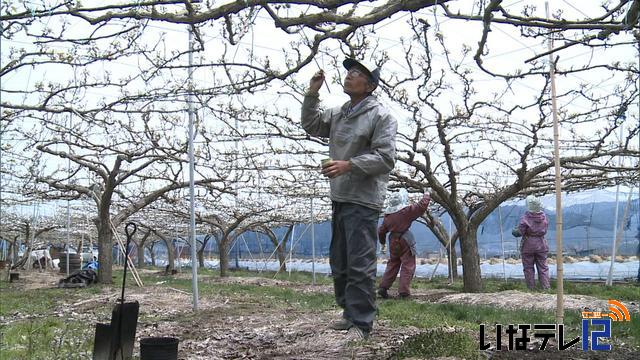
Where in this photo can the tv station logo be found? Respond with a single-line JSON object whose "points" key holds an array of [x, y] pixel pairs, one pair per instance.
{"points": [[596, 326], [591, 319]]}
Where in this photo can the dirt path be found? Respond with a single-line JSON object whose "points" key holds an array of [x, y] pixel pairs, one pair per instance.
{"points": [[230, 327]]}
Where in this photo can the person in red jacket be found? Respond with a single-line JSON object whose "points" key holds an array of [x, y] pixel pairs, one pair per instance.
{"points": [[402, 244]]}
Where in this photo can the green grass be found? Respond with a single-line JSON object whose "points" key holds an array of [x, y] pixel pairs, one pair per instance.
{"points": [[204, 274], [426, 315], [37, 301], [49, 338], [628, 329], [296, 276], [275, 296], [622, 292], [432, 344]]}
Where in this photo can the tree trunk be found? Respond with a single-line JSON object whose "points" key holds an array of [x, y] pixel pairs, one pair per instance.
{"points": [[105, 255], [13, 250], [470, 260], [170, 256], [224, 256], [280, 247], [200, 254], [282, 258], [140, 249], [153, 254], [25, 261], [140, 255], [453, 263]]}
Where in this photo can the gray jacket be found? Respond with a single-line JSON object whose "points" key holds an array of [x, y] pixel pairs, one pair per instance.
{"points": [[366, 137]]}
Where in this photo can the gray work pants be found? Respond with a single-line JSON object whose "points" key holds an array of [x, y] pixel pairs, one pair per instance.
{"points": [[353, 261]]}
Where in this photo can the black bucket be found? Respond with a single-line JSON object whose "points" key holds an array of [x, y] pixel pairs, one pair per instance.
{"points": [[159, 348]]}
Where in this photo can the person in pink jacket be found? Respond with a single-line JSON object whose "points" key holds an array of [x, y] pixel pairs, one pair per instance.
{"points": [[402, 244], [534, 248]]}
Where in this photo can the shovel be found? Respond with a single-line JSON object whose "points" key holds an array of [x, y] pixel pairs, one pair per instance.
{"points": [[115, 341]]}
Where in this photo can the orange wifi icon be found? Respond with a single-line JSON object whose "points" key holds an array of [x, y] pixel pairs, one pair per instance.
{"points": [[618, 312]]}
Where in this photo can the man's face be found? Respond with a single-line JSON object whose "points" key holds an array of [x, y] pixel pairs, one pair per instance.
{"points": [[357, 83]]}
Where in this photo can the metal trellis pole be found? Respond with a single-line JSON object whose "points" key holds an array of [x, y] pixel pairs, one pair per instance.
{"points": [[313, 245], [504, 271], [69, 201], [293, 237], [192, 216], [451, 264], [615, 225]]}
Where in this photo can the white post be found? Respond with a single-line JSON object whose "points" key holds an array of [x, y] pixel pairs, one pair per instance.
{"points": [[192, 214], [29, 249], [293, 239], [68, 234], [68, 201], [558, 186], [5, 244], [615, 224], [504, 271], [80, 249], [451, 264], [176, 246]]}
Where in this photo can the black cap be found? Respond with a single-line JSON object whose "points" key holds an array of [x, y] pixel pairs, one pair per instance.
{"points": [[374, 76]]}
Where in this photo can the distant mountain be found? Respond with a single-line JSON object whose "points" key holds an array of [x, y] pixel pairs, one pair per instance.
{"points": [[588, 223], [587, 197], [588, 219]]}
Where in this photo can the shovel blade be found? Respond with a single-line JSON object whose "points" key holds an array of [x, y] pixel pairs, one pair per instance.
{"points": [[102, 342], [116, 340]]}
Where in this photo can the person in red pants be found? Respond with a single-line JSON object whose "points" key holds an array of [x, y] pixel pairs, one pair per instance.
{"points": [[402, 244]]}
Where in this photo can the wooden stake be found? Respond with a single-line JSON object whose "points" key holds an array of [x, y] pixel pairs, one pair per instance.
{"points": [[122, 248], [558, 186]]}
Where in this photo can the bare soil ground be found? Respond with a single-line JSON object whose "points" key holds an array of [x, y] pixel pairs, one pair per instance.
{"points": [[231, 328]]}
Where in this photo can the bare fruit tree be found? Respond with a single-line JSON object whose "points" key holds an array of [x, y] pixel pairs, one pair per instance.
{"points": [[476, 146], [98, 96]]}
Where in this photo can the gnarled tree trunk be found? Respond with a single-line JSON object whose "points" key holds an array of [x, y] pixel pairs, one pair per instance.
{"points": [[453, 262], [200, 252], [152, 253], [105, 252], [170, 256], [223, 249], [470, 260], [140, 249]]}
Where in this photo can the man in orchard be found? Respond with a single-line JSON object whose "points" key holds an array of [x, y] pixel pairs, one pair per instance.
{"points": [[362, 147]]}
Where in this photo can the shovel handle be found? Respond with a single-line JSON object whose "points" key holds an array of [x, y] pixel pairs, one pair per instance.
{"points": [[129, 234]]}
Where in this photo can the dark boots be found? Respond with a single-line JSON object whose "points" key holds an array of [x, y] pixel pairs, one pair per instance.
{"points": [[382, 292]]}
